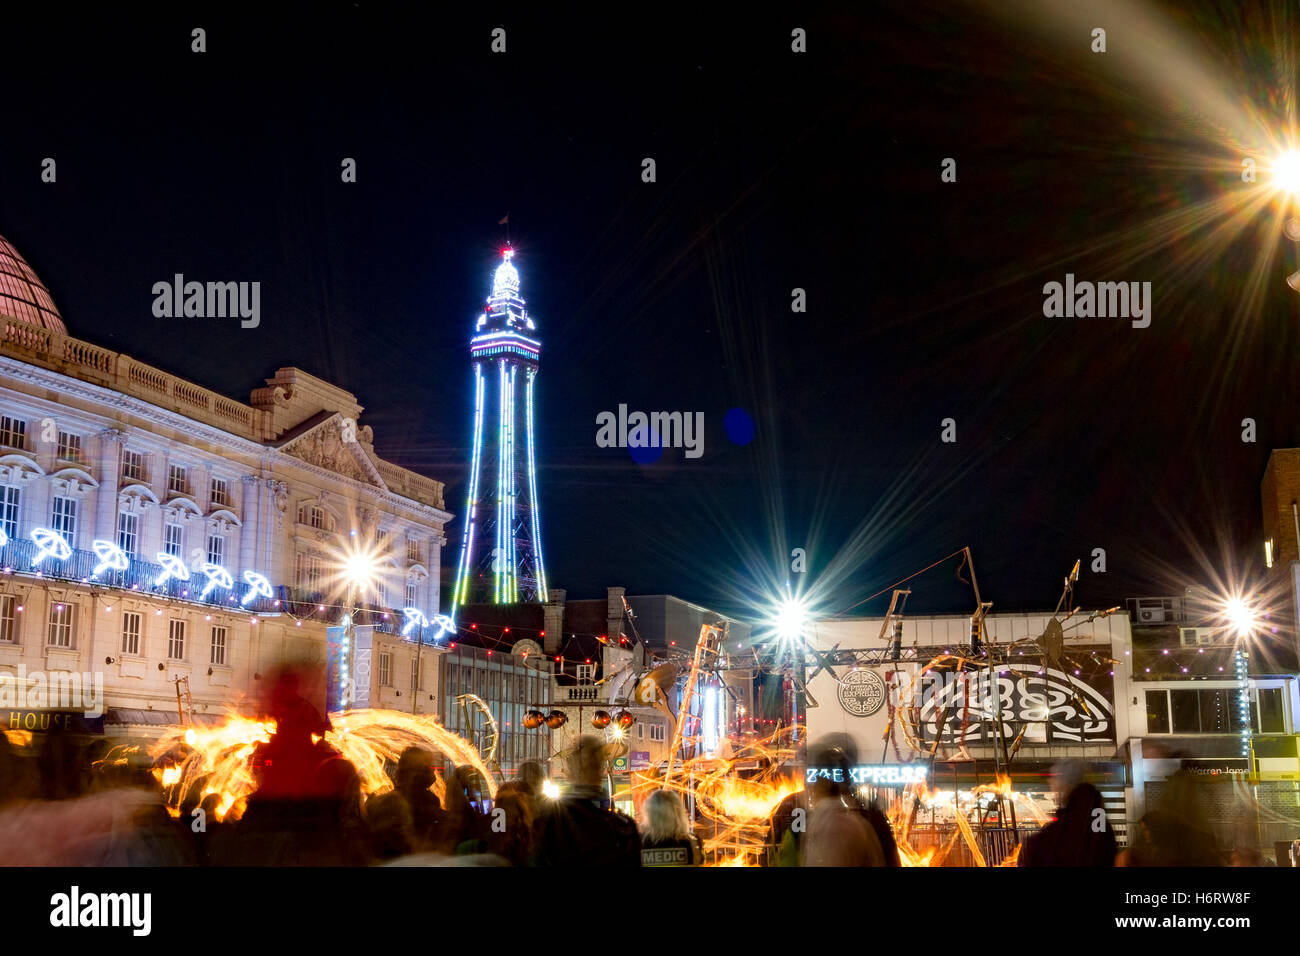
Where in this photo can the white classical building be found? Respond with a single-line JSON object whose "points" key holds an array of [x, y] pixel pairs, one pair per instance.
{"points": [[170, 538]]}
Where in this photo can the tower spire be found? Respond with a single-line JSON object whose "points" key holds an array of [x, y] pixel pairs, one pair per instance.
{"points": [[501, 551]]}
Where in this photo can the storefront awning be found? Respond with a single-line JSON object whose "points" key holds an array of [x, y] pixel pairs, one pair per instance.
{"points": [[128, 717]]}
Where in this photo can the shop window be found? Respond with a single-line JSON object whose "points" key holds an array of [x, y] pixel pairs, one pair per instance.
{"points": [[1269, 716], [1157, 711], [1219, 712], [1185, 705]]}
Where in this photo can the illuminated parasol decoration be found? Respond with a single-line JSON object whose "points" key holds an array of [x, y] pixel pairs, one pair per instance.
{"points": [[625, 719], [534, 719], [600, 719], [556, 719]]}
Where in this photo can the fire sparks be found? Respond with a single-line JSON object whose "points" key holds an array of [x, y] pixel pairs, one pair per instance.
{"points": [[196, 763]]}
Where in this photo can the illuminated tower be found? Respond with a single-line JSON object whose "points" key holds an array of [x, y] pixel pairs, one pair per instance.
{"points": [[501, 551]]}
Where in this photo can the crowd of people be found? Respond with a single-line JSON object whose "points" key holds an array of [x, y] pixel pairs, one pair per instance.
{"points": [[70, 806]]}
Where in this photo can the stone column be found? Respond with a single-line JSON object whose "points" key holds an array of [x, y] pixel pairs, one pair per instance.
{"points": [[108, 468], [251, 517]]}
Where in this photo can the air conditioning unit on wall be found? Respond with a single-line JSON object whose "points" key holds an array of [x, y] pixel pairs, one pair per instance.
{"points": [[1198, 636]]}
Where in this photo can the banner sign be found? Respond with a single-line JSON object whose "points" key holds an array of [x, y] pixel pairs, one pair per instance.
{"points": [[335, 672], [361, 658], [1074, 707], [876, 775]]}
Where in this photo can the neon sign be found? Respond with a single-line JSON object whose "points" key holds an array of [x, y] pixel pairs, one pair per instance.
{"points": [[218, 577], [111, 558], [173, 567], [414, 618], [50, 544], [258, 586], [887, 774]]}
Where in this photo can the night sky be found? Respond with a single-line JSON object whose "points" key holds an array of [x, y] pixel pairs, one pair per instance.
{"points": [[775, 170]]}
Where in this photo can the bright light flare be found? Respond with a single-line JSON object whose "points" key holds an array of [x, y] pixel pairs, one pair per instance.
{"points": [[551, 789], [1286, 172], [1241, 616], [791, 619]]}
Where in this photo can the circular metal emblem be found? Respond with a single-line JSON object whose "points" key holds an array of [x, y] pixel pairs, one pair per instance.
{"points": [[862, 693]]}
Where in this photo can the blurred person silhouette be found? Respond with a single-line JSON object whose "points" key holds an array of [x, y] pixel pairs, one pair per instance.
{"points": [[62, 764], [666, 837], [392, 827], [511, 832], [466, 828], [579, 828], [306, 809], [531, 776], [414, 779], [842, 751], [1176, 832], [1080, 835], [785, 834], [840, 832]]}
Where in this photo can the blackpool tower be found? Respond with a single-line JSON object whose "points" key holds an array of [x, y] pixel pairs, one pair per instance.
{"points": [[501, 550]]}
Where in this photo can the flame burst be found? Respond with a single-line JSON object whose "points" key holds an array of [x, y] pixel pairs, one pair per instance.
{"points": [[201, 761]]}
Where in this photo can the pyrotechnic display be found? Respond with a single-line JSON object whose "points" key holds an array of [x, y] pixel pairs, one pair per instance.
{"points": [[799, 437]]}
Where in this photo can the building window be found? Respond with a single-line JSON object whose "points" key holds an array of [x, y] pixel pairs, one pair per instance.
{"points": [[131, 622], [657, 732], [640, 731], [172, 539], [128, 532], [69, 446], [586, 672], [385, 669], [133, 466], [1157, 711], [219, 493], [307, 571], [411, 594], [9, 499], [1219, 712], [1268, 715], [218, 655], [413, 552], [8, 633], [61, 618], [217, 550], [178, 480], [13, 432], [63, 519], [313, 516], [176, 640]]}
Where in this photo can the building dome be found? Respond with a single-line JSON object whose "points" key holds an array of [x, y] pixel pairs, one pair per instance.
{"points": [[506, 280], [23, 295]]}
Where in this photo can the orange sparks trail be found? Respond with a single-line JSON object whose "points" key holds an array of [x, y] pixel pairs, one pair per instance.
{"points": [[195, 763], [201, 761]]}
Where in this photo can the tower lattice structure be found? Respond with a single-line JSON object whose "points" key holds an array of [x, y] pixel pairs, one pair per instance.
{"points": [[501, 549]]}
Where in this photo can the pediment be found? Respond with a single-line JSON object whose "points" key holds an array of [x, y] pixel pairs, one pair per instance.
{"points": [[332, 444]]}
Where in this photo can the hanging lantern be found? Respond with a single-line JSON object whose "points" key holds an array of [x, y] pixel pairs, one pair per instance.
{"points": [[534, 719], [625, 719], [600, 719], [556, 719]]}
